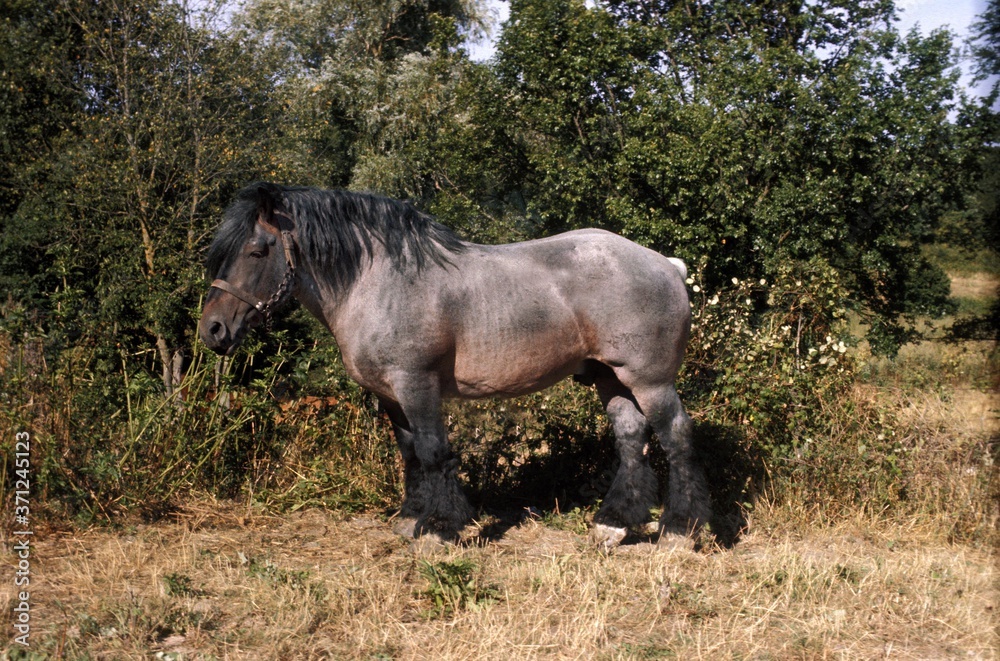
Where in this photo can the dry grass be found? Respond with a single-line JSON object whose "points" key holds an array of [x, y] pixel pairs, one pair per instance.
{"points": [[980, 286], [945, 398], [216, 583]]}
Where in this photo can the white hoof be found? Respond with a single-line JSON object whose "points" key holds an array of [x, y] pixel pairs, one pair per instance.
{"points": [[607, 537]]}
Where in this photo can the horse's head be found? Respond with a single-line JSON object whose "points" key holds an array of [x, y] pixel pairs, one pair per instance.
{"points": [[253, 262]]}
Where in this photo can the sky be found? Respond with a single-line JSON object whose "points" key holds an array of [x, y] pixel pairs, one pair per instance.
{"points": [[956, 15], [926, 15]]}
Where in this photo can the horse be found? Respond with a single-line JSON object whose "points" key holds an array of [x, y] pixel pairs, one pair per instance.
{"points": [[421, 315]]}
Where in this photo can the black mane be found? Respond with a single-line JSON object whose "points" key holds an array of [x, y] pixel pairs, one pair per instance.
{"points": [[334, 230]]}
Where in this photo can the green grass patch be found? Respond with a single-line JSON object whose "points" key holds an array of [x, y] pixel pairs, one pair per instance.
{"points": [[456, 586], [962, 260]]}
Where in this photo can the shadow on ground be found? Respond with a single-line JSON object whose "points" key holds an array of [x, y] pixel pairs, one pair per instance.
{"points": [[569, 479]]}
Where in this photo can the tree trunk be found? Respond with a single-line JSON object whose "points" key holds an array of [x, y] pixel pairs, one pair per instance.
{"points": [[178, 368], [166, 364]]}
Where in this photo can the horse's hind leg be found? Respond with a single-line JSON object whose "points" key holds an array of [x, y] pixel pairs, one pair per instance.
{"points": [[634, 488], [687, 507]]}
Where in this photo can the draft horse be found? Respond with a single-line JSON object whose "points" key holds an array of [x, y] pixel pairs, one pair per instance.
{"points": [[421, 315]]}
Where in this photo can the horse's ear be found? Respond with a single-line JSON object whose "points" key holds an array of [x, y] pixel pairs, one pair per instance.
{"points": [[268, 214], [265, 206]]}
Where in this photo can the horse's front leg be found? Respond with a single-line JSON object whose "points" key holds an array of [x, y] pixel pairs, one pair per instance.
{"points": [[434, 502], [410, 510]]}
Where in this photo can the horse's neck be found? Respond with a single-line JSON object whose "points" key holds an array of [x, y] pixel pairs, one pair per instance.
{"points": [[329, 300]]}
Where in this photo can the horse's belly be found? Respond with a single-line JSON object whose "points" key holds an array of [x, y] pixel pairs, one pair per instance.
{"points": [[529, 314], [499, 366], [507, 380]]}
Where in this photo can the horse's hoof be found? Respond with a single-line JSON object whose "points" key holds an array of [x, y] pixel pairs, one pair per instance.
{"points": [[405, 527], [607, 537]]}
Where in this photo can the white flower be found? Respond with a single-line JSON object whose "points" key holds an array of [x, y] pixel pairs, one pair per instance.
{"points": [[763, 281], [690, 281], [696, 289], [736, 281]]}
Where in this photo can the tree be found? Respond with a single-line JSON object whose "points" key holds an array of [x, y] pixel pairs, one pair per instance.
{"points": [[37, 48], [986, 46], [369, 86], [985, 119], [745, 136], [165, 126]]}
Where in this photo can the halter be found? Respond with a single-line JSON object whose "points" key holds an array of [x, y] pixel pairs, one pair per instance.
{"points": [[266, 308]]}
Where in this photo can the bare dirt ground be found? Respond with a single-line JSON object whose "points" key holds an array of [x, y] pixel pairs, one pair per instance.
{"points": [[217, 582]]}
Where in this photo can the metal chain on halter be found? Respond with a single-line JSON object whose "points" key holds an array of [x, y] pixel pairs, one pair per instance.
{"points": [[287, 283]]}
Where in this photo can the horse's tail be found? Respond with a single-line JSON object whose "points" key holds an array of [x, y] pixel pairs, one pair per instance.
{"points": [[681, 266]]}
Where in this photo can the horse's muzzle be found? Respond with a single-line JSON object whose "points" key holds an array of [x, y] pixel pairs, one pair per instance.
{"points": [[218, 335]]}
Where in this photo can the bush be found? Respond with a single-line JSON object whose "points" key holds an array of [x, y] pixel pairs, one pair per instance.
{"points": [[108, 441]]}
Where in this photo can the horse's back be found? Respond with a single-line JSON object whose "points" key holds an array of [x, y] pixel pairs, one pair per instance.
{"points": [[597, 271]]}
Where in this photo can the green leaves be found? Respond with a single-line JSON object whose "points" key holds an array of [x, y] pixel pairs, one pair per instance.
{"points": [[455, 586], [743, 134]]}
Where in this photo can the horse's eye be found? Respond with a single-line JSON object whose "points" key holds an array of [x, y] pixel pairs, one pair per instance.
{"points": [[257, 254]]}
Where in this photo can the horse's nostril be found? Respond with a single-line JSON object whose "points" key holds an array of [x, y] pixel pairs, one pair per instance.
{"points": [[215, 334]]}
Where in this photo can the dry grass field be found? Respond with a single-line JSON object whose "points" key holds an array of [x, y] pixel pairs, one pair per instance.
{"points": [[221, 580], [220, 583]]}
